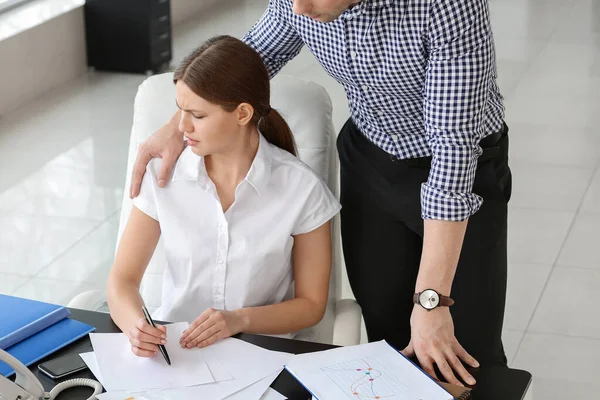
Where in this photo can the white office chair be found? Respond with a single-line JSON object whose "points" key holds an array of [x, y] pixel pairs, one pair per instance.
{"points": [[306, 107]]}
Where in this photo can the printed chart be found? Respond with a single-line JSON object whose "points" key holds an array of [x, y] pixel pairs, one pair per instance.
{"points": [[366, 378]]}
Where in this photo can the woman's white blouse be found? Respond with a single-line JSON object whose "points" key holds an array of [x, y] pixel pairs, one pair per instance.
{"points": [[240, 258]]}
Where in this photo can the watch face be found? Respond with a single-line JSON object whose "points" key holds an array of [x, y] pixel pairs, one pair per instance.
{"points": [[429, 299]]}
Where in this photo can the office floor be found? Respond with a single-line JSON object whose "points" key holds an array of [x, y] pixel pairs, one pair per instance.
{"points": [[64, 157]]}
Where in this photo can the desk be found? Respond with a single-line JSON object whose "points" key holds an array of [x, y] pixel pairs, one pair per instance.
{"points": [[493, 383]]}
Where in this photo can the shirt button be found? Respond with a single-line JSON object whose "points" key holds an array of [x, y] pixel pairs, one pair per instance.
{"points": [[365, 87], [353, 55], [220, 261], [349, 17], [395, 138], [380, 113]]}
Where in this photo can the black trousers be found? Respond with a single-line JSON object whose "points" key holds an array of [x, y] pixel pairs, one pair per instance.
{"points": [[382, 236]]}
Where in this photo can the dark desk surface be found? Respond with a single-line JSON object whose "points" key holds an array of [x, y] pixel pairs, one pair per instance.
{"points": [[493, 383]]}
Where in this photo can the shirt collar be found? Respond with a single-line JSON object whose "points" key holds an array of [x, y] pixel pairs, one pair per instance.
{"points": [[359, 8], [191, 167], [260, 170]]}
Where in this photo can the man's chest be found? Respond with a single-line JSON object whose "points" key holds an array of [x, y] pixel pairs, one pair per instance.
{"points": [[380, 50]]}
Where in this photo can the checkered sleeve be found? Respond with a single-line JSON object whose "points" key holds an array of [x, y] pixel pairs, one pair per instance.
{"points": [[461, 59], [274, 37]]}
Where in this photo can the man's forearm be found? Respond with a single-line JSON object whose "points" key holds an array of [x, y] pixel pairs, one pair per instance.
{"points": [[173, 123], [442, 243]]}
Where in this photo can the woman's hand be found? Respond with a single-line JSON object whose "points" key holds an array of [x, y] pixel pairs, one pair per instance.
{"points": [[433, 341], [166, 143], [145, 339], [211, 326]]}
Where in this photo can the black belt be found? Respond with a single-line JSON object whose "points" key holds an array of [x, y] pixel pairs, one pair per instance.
{"points": [[488, 145]]}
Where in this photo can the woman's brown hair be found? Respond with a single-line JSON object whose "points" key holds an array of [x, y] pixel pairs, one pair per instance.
{"points": [[226, 71]]}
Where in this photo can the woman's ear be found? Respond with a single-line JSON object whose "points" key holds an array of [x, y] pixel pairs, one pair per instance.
{"points": [[245, 112]]}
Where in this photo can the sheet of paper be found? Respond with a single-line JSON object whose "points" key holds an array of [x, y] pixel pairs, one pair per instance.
{"points": [[272, 394], [246, 362], [122, 370], [90, 360], [373, 370], [217, 370], [130, 396], [255, 391]]}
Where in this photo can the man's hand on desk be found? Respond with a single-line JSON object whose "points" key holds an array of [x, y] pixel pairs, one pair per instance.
{"points": [[433, 342], [211, 326], [145, 339]]}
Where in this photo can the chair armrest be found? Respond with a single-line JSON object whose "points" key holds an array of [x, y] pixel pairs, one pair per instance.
{"points": [[346, 327], [92, 300]]}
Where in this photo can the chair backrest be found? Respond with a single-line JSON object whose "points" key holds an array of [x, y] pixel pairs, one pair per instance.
{"points": [[306, 107]]}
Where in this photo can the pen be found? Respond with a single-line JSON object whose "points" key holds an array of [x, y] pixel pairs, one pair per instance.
{"points": [[160, 346]]}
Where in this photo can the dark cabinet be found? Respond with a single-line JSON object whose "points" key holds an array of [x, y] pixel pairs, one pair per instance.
{"points": [[128, 35]]}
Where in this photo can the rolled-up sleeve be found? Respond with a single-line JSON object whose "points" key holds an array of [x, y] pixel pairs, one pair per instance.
{"points": [[457, 85], [274, 37]]}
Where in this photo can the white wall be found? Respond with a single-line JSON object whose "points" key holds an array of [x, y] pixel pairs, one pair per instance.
{"points": [[46, 56], [39, 59], [182, 10]]}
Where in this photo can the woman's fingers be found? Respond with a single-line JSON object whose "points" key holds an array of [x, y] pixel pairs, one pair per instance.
{"points": [[193, 336], [141, 352], [213, 339], [205, 335], [148, 329], [143, 345], [186, 335], [145, 337]]}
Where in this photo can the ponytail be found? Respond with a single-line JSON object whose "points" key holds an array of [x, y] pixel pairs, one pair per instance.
{"points": [[277, 132]]}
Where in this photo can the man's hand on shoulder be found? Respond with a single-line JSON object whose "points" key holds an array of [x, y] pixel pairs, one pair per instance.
{"points": [[166, 143]]}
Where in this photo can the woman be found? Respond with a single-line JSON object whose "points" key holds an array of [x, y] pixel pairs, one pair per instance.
{"points": [[245, 224]]}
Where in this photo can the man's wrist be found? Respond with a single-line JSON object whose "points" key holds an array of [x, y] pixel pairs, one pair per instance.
{"points": [[430, 299], [441, 288]]}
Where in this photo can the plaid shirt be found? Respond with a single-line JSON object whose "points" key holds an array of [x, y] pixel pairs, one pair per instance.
{"points": [[420, 77]]}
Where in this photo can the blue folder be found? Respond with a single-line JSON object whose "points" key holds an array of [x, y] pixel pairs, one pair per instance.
{"points": [[21, 318], [46, 342]]}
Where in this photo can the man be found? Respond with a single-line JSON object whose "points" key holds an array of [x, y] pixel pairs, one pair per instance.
{"points": [[425, 180]]}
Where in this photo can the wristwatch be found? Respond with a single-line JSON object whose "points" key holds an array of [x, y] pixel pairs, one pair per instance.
{"points": [[430, 299]]}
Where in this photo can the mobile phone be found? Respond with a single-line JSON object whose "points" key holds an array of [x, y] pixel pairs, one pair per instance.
{"points": [[62, 366]]}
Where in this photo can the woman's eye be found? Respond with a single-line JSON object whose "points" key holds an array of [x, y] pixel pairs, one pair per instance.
{"points": [[197, 116]]}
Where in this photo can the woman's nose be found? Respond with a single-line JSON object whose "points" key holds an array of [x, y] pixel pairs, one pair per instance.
{"points": [[185, 124]]}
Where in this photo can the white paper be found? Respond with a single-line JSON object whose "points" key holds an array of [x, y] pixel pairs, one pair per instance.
{"points": [[90, 360], [130, 396], [217, 370], [373, 370], [246, 362], [122, 370], [255, 391], [272, 394]]}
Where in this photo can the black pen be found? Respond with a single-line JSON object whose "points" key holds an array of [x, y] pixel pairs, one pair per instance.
{"points": [[160, 346]]}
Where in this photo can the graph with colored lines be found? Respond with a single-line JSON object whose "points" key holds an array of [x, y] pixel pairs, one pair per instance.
{"points": [[365, 378]]}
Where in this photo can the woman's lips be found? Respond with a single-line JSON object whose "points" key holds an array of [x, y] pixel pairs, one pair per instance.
{"points": [[191, 142]]}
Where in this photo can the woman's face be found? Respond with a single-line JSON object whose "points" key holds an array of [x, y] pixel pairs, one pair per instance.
{"points": [[209, 129]]}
